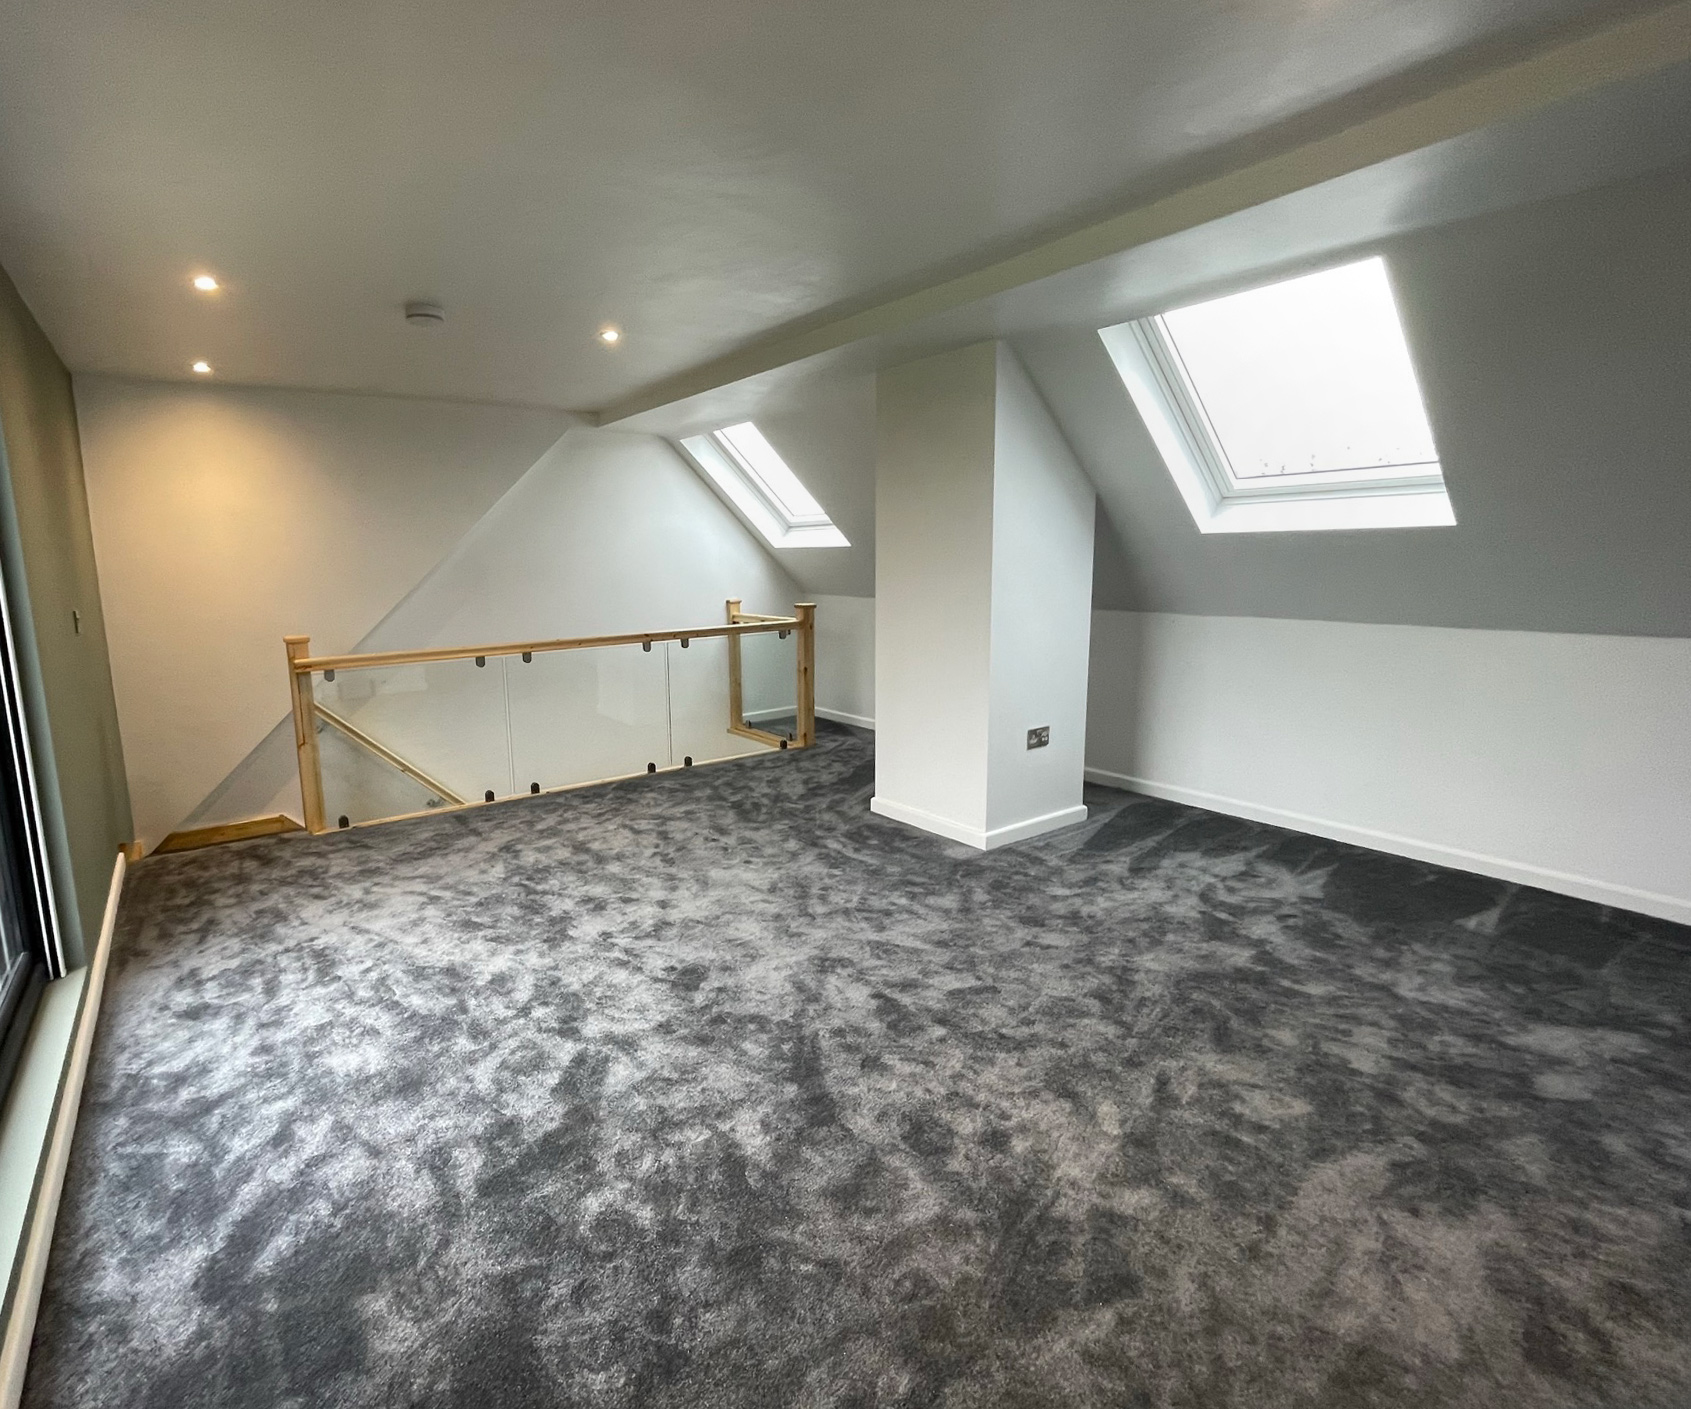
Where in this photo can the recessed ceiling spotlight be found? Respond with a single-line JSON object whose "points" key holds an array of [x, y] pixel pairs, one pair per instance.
{"points": [[206, 284], [610, 335], [419, 313], [203, 367]]}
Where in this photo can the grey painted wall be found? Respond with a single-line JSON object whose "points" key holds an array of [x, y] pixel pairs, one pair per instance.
{"points": [[1554, 348], [47, 551]]}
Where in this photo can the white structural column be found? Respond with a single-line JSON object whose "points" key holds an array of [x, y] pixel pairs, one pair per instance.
{"points": [[983, 602]]}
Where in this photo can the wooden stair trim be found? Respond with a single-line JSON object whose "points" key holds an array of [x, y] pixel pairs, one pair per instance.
{"points": [[197, 837]]}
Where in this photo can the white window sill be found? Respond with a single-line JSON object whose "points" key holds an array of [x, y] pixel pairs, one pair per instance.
{"points": [[1422, 509]]}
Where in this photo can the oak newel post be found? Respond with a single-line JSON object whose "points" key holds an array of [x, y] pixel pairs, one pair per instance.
{"points": [[806, 696], [305, 733], [736, 704]]}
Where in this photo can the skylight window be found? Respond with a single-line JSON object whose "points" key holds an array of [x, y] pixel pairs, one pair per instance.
{"points": [[762, 486], [1292, 406]]}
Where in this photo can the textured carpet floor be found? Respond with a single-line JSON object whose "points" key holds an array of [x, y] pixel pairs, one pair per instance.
{"points": [[716, 1090]]}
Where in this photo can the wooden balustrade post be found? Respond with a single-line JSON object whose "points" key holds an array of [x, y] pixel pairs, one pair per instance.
{"points": [[806, 696], [305, 734], [736, 701]]}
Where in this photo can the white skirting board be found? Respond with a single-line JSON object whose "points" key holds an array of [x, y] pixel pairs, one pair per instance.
{"points": [[975, 836], [29, 1267], [1663, 907], [839, 716]]}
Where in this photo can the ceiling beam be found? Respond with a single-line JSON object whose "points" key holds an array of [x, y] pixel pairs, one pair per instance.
{"points": [[1630, 49]]}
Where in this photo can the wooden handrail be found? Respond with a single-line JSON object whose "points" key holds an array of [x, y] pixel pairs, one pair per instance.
{"points": [[388, 756], [307, 710], [307, 664]]}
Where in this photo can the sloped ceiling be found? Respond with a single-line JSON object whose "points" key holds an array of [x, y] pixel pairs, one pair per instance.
{"points": [[700, 174], [706, 178], [1540, 268], [1552, 346]]}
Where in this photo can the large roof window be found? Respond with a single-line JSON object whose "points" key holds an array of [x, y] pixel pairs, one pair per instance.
{"points": [[1291, 406]]}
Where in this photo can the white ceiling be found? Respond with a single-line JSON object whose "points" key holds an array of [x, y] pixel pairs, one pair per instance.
{"points": [[697, 173], [1622, 130], [1541, 263]]}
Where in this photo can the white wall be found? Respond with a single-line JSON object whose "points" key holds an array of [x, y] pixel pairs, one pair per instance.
{"points": [[1556, 760], [225, 518], [965, 667], [825, 429], [845, 659], [610, 531], [1042, 529], [933, 585]]}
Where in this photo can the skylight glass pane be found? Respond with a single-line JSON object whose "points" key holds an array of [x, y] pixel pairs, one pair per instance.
{"points": [[1309, 376], [780, 483], [728, 466]]}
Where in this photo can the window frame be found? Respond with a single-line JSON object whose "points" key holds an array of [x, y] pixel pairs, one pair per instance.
{"points": [[31, 941], [761, 486], [1148, 361], [743, 487]]}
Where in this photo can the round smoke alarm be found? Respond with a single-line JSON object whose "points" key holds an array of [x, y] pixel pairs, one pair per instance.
{"points": [[424, 315]]}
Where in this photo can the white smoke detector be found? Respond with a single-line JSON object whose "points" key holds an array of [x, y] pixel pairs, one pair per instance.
{"points": [[420, 314]]}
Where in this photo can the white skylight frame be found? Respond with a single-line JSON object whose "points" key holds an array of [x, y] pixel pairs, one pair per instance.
{"points": [[1370, 496], [742, 463]]}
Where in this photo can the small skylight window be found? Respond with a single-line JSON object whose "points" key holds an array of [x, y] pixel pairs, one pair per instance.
{"points": [[761, 485], [1292, 406]]}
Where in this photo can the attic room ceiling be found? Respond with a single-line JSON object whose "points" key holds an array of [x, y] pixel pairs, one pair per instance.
{"points": [[695, 175], [1620, 131]]}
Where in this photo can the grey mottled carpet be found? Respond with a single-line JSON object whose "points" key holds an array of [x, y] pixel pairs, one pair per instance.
{"points": [[715, 1090]]}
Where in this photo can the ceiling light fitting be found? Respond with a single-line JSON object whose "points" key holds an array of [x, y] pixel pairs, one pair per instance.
{"points": [[610, 335], [206, 284], [203, 367], [422, 314]]}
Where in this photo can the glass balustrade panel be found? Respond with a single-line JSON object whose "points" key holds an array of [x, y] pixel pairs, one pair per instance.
{"points": [[698, 703], [443, 722], [579, 716], [769, 682], [362, 786]]}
